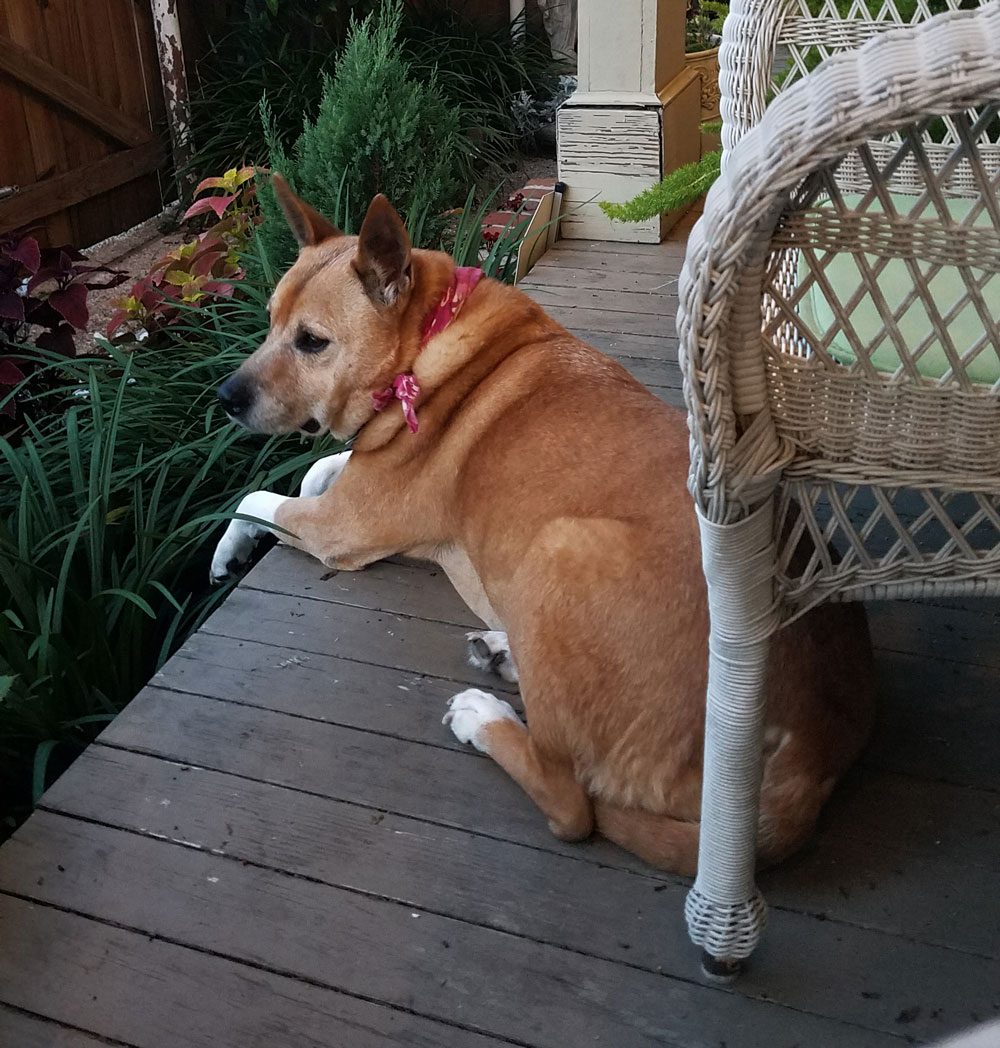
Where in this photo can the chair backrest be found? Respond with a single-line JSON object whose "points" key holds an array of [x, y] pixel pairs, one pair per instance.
{"points": [[886, 264], [768, 45]]}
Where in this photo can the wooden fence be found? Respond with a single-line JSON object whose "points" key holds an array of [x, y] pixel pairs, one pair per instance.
{"points": [[82, 142]]}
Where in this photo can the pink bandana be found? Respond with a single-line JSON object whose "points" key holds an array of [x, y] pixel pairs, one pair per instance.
{"points": [[405, 387]]}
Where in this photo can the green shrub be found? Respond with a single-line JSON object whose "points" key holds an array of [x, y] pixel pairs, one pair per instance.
{"points": [[284, 55], [378, 130], [704, 24], [108, 516]]}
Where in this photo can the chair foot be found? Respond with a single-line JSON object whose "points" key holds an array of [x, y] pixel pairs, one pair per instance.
{"points": [[721, 969], [727, 933]]}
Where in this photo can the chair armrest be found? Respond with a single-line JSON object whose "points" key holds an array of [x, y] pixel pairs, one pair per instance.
{"points": [[945, 65]]}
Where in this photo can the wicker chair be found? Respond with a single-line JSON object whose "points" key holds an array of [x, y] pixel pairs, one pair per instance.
{"points": [[840, 345]]}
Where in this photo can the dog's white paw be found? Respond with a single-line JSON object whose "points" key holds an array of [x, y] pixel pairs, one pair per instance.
{"points": [[233, 551], [236, 545], [490, 651], [472, 710], [322, 473]]}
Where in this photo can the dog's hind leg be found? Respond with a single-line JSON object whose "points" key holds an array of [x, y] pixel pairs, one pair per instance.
{"points": [[492, 726], [663, 842], [489, 650]]}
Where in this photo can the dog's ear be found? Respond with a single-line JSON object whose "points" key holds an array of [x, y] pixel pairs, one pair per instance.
{"points": [[383, 258], [308, 225]]}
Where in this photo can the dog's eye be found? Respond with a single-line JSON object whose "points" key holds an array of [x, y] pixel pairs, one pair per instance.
{"points": [[307, 342]]}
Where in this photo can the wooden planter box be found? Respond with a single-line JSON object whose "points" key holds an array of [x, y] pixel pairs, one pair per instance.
{"points": [[706, 65]]}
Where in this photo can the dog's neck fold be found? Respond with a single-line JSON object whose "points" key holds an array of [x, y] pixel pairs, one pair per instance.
{"points": [[405, 387]]}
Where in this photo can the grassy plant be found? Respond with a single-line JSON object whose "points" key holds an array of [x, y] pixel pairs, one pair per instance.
{"points": [[481, 74], [282, 54], [108, 514], [464, 239]]}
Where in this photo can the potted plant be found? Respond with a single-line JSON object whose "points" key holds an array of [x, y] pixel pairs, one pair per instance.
{"points": [[701, 45]]}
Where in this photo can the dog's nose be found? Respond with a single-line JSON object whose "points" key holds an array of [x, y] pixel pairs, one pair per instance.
{"points": [[236, 395]]}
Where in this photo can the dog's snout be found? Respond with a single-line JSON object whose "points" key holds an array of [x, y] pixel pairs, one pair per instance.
{"points": [[236, 395]]}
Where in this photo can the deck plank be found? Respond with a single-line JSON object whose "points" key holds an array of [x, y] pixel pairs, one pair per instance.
{"points": [[554, 299], [435, 966], [653, 347], [672, 248], [916, 731], [881, 806], [592, 909], [152, 993], [553, 274], [21, 1030], [937, 720], [583, 318], [329, 761], [379, 637]]}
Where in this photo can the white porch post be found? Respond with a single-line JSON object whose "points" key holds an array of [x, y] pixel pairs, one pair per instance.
{"points": [[175, 86], [633, 118]]}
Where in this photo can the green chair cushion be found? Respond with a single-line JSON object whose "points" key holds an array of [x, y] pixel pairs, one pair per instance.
{"points": [[895, 284]]}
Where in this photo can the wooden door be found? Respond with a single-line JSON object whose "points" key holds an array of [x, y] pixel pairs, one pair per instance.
{"points": [[82, 141]]}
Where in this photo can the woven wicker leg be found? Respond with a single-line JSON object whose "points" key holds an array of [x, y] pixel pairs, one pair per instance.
{"points": [[725, 912]]}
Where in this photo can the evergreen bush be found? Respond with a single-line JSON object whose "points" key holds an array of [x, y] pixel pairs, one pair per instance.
{"points": [[379, 129]]}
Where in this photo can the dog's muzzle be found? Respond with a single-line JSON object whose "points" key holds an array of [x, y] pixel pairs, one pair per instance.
{"points": [[236, 395]]}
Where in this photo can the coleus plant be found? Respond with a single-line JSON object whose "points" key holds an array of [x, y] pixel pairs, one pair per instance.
{"points": [[43, 298], [206, 266]]}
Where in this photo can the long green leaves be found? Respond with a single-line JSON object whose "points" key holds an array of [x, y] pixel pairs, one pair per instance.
{"points": [[108, 510]]}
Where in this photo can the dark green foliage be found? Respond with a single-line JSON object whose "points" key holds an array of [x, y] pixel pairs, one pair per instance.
{"points": [[108, 515], [281, 54], [378, 130], [704, 24], [481, 74], [285, 55]]}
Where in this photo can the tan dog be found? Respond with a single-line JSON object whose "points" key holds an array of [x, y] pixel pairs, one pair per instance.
{"points": [[550, 486]]}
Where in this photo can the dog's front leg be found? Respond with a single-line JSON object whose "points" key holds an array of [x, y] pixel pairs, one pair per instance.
{"points": [[322, 473], [236, 545]]}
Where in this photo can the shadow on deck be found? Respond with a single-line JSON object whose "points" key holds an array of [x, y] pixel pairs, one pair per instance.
{"points": [[278, 844]]}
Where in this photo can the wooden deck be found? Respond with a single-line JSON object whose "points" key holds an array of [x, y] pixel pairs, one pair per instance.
{"points": [[278, 845]]}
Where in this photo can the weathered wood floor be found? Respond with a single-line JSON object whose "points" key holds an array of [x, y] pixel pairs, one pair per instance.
{"points": [[278, 845]]}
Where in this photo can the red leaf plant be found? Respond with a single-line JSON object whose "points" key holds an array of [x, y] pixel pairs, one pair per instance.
{"points": [[208, 265], [43, 298]]}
